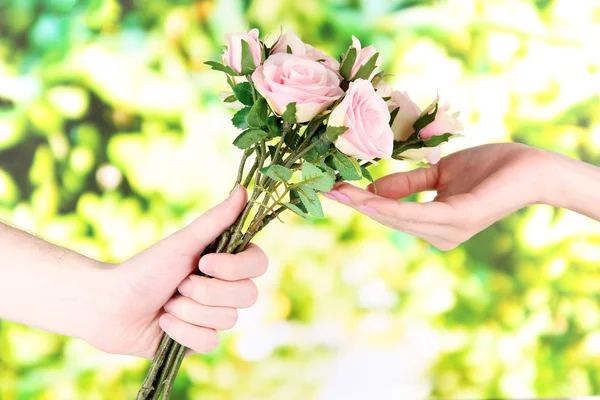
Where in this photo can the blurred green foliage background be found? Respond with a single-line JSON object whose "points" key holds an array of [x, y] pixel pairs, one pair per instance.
{"points": [[117, 138]]}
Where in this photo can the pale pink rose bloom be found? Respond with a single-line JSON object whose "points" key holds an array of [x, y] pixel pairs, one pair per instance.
{"points": [[367, 117], [233, 53], [408, 113], [444, 122], [363, 56], [431, 154], [383, 89], [287, 78], [299, 48]]}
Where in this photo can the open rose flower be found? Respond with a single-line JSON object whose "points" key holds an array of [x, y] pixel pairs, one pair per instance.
{"points": [[368, 120], [362, 57], [287, 78], [233, 53], [444, 122], [299, 48]]}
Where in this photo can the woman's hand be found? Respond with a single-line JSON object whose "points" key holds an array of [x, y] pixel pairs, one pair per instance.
{"points": [[475, 188]]}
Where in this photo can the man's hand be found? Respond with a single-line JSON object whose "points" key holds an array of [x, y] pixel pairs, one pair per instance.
{"points": [[125, 308]]}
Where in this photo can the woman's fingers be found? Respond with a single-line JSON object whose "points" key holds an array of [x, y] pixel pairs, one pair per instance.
{"points": [[403, 212], [199, 339], [250, 263], [187, 310], [403, 184], [218, 293], [433, 221]]}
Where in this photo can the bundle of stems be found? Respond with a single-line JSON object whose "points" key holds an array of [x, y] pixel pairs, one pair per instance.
{"points": [[255, 216]]}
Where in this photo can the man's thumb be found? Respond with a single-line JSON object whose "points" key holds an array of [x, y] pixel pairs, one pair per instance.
{"points": [[168, 262], [206, 228]]}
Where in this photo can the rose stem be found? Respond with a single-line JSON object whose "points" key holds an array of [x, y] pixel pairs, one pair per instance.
{"points": [[157, 362], [166, 370]]}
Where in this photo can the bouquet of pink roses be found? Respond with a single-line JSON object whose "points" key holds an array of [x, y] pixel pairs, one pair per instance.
{"points": [[308, 121]]}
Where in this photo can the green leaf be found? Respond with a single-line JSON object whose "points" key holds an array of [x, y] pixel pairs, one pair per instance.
{"points": [[230, 99], [347, 63], [257, 117], [239, 120], [346, 166], [364, 72], [393, 115], [323, 165], [310, 200], [216, 66], [248, 65], [413, 142], [243, 92], [323, 146], [250, 137], [297, 210], [295, 199], [425, 119], [333, 132], [277, 172], [367, 175], [377, 78], [289, 114], [275, 126], [437, 140], [314, 178], [289, 50], [311, 156]]}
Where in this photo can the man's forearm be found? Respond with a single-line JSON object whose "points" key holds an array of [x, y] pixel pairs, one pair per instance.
{"points": [[46, 286], [575, 185]]}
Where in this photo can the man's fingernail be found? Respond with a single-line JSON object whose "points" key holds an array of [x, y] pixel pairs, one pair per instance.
{"points": [[164, 321], [368, 210], [341, 197], [234, 192], [168, 305], [207, 266], [329, 195], [184, 287]]}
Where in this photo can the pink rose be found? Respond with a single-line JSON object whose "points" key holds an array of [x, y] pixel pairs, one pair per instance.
{"points": [[431, 154], [368, 120], [299, 48], [443, 122], [408, 113], [383, 89], [233, 53], [362, 57], [287, 78]]}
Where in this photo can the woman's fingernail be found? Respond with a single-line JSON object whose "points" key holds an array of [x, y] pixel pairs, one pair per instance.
{"points": [[164, 321], [341, 197], [368, 210], [184, 287], [329, 195]]}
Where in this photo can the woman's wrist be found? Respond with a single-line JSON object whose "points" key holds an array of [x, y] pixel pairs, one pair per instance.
{"points": [[573, 185]]}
